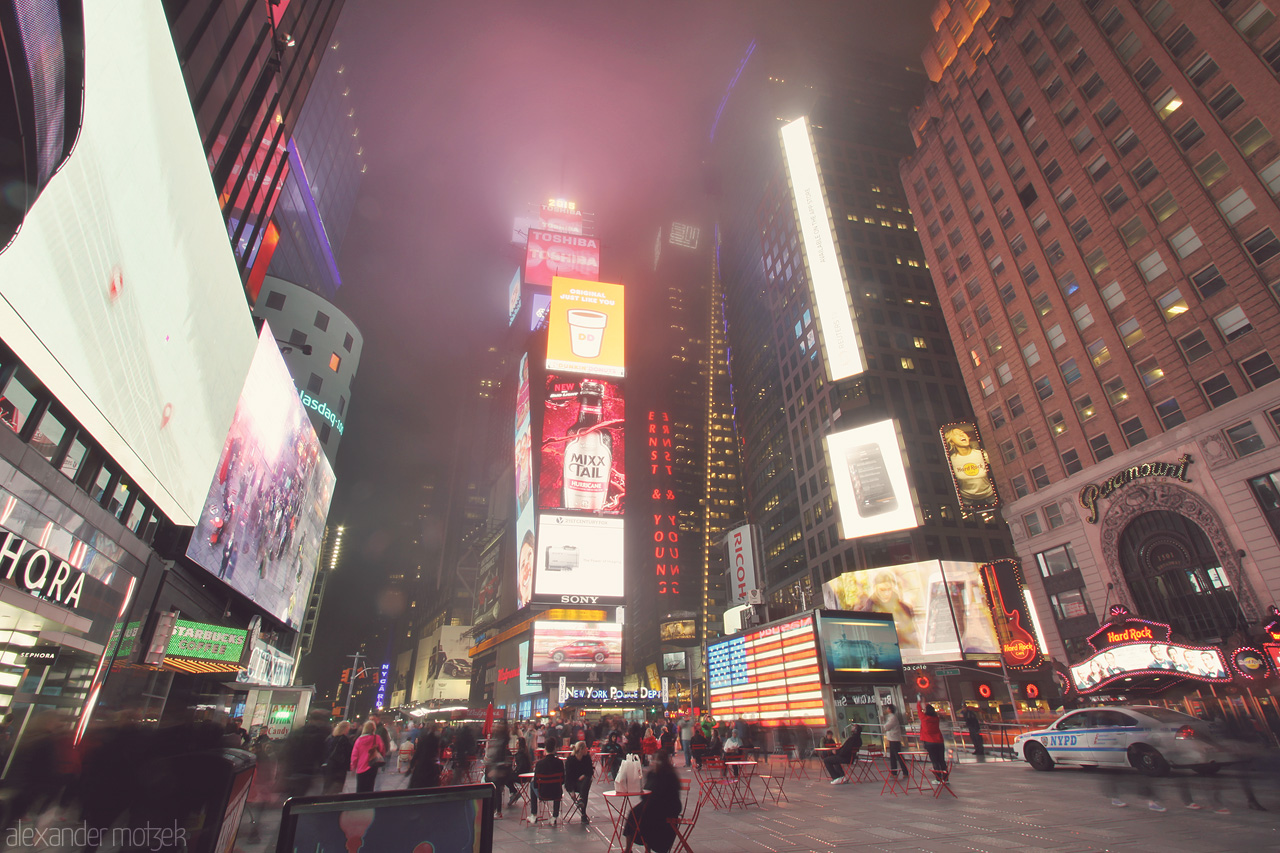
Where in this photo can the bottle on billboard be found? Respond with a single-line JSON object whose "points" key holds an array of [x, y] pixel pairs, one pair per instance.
{"points": [[872, 489], [586, 332], [588, 455]]}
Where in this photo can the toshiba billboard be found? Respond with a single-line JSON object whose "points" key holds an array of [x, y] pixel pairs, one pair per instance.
{"points": [[743, 572], [552, 253]]}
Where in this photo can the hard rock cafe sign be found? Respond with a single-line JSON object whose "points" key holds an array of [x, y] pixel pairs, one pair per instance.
{"points": [[1092, 493]]}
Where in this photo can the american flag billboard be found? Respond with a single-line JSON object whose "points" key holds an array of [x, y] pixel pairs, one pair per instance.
{"points": [[770, 674]]}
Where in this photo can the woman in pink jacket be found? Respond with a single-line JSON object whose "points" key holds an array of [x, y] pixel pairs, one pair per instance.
{"points": [[367, 757]]}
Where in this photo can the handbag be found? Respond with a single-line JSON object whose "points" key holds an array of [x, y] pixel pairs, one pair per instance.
{"points": [[630, 778]]}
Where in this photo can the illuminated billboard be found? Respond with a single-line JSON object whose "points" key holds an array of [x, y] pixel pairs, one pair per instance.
{"points": [[513, 298], [529, 682], [576, 647], [677, 629], [525, 559], [868, 470], [859, 648], [583, 453], [540, 309], [841, 348], [560, 218], [579, 560], [769, 674], [742, 572], [552, 253], [1021, 642], [970, 468], [675, 662], [939, 608], [120, 292], [585, 332], [523, 440], [263, 519]]}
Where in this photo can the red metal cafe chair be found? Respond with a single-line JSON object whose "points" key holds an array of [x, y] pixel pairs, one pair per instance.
{"points": [[684, 825], [942, 778]]}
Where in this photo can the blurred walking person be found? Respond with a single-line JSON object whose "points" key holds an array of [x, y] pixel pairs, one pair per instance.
{"points": [[337, 764], [366, 757]]}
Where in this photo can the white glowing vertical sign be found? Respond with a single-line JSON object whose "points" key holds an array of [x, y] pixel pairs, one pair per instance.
{"points": [[840, 346]]}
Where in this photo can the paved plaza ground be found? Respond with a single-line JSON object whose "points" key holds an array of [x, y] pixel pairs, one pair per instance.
{"points": [[1000, 806]]}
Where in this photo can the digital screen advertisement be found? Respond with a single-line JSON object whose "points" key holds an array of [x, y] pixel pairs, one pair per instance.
{"points": [[741, 573], [585, 330], [540, 310], [552, 253], [120, 291], [583, 456], [561, 219], [263, 520], [859, 648], [841, 348], [939, 608], [525, 560], [674, 662], [513, 298], [1198, 663], [576, 647], [529, 682], [523, 440], [970, 468], [868, 471], [1021, 643], [579, 560], [770, 674]]}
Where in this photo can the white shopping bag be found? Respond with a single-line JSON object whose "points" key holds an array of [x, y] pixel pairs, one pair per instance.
{"points": [[630, 778]]}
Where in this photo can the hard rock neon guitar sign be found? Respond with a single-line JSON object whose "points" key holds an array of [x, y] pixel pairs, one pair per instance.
{"points": [[1003, 582]]}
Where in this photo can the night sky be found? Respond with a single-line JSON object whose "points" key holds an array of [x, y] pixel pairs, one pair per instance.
{"points": [[468, 113]]}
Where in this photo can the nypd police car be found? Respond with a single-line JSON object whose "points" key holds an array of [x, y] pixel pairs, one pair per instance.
{"points": [[1147, 737]]}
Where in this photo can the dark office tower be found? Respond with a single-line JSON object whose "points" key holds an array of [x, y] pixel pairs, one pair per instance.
{"points": [[248, 65], [844, 469], [1096, 183], [326, 162]]}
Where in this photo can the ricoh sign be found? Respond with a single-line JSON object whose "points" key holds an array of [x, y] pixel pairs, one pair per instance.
{"points": [[743, 572]]}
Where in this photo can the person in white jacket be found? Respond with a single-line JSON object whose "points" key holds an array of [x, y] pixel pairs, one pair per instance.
{"points": [[893, 730]]}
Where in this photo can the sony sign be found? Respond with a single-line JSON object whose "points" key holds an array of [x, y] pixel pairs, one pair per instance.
{"points": [[38, 572], [742, 565], [840, 345]]}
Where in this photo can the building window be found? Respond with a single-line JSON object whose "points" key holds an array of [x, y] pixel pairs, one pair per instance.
{"points": [[1163, 206], [1084, 407], [1115, 391], [1266, 489], [1233, 324], [1019, 323], [1211, 169], [1133, 230], [1082, 139], [1208, 281], [1069, 605], [1027, 440], [1172, 305], [1070, 372], [1039, 477], [1032, 522], [1259, 370], [1014, 404], [988, 385], [348, 342], [1188, 134], [1096, 261], [1236, 206], [1217, 390], [1081, 229], [1099, 354], [1071, 461], [997, 417], [1254, 21], [1170, 413], [1185, 242], [335, 361], [1125, 141], [1244, 439], [342, 405], [1053, 515], [1194, 346], [1149, 371], [1130, 332], [1020, 487], [1082, 317], [1152, 266], [1101, 447], [1167, 104], [1251, 137], [907, 363], [1098, 168], [1262, 246], [1030, 354], [1202, 70], [1115, 198], [1042, 304], [1147, 74], [324, 433], [275, 300], [314, 384], [1055, 336], [1180, 41], [1226, 101], [1044, 388], [297, 338], [322, 321], [1008, 450], [1057, 561], [1112, 295], [1133, 431], [1005, 373]]}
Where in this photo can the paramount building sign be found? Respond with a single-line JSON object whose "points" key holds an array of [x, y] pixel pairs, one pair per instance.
{"points": [[1092, 493]]}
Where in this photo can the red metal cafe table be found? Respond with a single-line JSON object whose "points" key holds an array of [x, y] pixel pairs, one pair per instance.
{"points": [[741, 789], [619, 805], [523, 785], [915, 760]]}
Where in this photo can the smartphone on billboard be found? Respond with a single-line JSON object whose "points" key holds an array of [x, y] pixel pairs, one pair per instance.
{"points": [[872, 489]]}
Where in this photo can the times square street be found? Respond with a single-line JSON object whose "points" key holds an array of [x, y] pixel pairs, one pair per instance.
{"points": [[1000, 805]]}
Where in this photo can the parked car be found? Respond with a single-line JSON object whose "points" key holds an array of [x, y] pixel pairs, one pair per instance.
{"points": [[1149, 738], [595, 650]]}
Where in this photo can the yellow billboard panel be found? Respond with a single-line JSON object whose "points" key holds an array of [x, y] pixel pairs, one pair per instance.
{"points": [[585, 330]]}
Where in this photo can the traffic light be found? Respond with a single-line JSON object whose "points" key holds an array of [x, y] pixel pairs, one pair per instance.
{"points": [[346, 676]]}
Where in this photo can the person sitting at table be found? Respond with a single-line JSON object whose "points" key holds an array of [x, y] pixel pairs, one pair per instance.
{"points": [[648, 746], [732, 750], [846, 754], [650, 819], [829, 740], [523, 764], [613, 749], [698, 745], [550, 767], [578, 771]]}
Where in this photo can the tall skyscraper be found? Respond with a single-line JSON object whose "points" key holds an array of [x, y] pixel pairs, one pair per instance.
{"points": [[1096, 185]]}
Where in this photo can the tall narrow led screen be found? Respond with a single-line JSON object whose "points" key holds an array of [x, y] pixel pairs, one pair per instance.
{"points": [[859, 648], [939, 608], [523, 439], [583, 449], [771, 674], [513, 298], [552, 253], [525, 559], [841, 348], [264, 516], [120, 291], [869, 473], [585, 330], [576, 647], [579, 559]]}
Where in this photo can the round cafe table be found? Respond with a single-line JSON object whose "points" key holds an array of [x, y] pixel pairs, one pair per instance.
{"points": [[916, 760], [741, 789], [524, 785], [619, 805]]}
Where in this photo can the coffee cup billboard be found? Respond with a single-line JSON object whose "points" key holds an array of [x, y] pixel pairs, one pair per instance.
{"points": [[585, 332]]}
